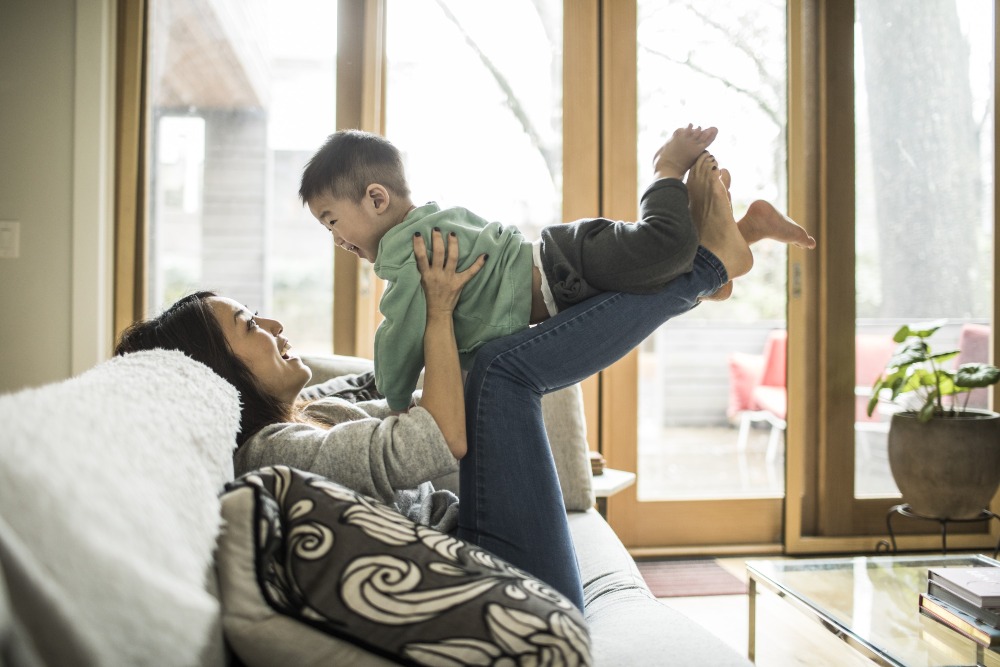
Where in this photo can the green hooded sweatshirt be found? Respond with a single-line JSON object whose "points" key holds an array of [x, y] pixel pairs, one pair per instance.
{"points": [[495, 303]]}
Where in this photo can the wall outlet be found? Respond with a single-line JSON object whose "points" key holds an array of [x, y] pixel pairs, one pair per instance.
{"points": [[10, 239]]}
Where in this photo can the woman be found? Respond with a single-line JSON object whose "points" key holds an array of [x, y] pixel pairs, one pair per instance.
{"points": [[511, 502], [388, 457]]}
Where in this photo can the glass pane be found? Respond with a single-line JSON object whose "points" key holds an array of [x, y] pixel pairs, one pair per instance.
{"points": [[924, 194], [705, 431], [242, 94], [477, 108]]}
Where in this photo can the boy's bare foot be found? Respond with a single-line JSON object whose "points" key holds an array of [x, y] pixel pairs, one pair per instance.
{"points": [[713, 216], [675, 157], [763, 221]]}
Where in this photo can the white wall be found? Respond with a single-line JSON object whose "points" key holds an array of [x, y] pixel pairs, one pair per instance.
{"points": [[54, 171]]}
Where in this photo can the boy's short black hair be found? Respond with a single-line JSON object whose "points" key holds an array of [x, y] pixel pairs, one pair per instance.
{"points": [[348, 163]]}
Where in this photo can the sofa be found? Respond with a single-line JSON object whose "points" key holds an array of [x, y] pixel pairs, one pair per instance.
{"points": [[124, 539]]}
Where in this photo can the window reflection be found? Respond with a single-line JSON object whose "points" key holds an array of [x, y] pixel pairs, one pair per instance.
{"points": [[924, 186], [721, 64], [241, 94], [477, 108]]}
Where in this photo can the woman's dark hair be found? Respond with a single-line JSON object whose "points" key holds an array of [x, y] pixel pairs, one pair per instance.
{"points": [[190, 326]]}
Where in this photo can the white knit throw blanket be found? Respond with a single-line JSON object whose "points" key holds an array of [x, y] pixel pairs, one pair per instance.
{"points": [[109, 481]]}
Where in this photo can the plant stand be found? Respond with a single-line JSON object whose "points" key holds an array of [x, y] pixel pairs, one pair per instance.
{"points": [[889, 546]]}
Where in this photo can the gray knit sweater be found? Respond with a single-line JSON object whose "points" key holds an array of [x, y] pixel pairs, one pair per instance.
{"points": [[369, 450]]}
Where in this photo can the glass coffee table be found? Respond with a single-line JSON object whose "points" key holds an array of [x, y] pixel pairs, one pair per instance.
{"points": [[871, 604]]}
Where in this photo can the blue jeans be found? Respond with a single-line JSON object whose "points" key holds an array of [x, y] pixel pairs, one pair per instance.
{"points": [[511, 503]]}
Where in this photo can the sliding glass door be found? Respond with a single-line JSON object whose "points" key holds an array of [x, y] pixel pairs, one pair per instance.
{"points": [[922, 233], [706, 433]]}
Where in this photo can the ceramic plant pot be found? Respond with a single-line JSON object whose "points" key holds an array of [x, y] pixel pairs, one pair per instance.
{"points": [[948, 467]]}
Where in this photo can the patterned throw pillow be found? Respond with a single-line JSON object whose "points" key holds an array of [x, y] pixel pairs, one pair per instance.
{"points": [[345, 567]]}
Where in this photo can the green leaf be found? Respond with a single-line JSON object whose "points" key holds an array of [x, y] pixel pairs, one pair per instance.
{"points": [[921, 330], [913, 352], [944, 356], [913, 368], [897, 386], [875, 395], [946, 384], [887, 379], [976, 375], [918, 378], [926, 412], [873, 401]]}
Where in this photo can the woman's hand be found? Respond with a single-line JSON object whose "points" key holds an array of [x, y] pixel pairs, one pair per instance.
{"points": [[439, 277], [443, 395]]}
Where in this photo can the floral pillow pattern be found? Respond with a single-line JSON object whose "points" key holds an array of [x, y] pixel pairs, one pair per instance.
{"points": [[356, 569]]}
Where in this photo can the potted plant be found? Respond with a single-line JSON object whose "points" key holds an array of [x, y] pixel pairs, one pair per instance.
{"points": [[944, 456]]}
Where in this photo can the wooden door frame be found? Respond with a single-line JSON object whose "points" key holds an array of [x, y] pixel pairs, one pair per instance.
{"points": [[822, 516], [736, 531], [361, 79]]}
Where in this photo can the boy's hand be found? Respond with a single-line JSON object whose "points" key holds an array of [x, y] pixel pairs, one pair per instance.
{"points": [[439, 277], [678, 155]]}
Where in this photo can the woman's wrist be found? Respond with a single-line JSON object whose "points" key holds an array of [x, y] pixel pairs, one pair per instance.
{"points": [[440, 316]]}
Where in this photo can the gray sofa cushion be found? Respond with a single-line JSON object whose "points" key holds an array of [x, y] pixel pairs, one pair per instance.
{"points": [[354, 569], [628, 626]]}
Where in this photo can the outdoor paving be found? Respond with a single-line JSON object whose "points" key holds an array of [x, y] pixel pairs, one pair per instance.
{"points": [[704, 462]]}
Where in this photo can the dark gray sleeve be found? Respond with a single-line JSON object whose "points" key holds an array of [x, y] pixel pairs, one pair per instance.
{"points": [[596, 255], [355, 387]]}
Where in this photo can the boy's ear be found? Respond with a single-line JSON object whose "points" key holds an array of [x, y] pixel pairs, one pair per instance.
{"points": [[378, 197]]}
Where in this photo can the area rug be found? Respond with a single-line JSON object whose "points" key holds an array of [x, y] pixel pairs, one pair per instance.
{"points": [[690, 577]]}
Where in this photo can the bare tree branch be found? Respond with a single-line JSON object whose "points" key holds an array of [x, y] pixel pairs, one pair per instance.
{"points": [[551, 163], [768, 110], [742, 45]]}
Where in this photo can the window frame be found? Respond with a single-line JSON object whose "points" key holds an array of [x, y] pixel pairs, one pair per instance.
{"points": [[819, 517]]}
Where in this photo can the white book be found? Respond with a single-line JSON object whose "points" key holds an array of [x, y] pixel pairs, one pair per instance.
{"points": [[978, 585]]}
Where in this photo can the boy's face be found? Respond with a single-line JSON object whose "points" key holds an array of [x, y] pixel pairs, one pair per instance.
{"points": [[356, 226]]}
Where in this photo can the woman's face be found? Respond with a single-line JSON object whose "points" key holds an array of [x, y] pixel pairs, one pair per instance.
{"points": [[258, 343]]}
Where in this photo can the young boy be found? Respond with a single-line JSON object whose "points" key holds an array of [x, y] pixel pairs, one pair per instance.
{"points": [[355, 186]]}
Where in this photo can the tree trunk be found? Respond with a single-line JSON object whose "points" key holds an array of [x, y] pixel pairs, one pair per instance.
{"points": [[925, 154]]}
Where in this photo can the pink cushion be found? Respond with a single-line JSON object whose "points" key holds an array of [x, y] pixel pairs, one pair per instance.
{"points": [[974, 346], [745, 371], [775, 353], [757, 382], [871, 353]]}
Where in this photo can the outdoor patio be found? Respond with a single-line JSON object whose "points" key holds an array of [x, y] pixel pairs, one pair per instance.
{"points": [[704, 462]]}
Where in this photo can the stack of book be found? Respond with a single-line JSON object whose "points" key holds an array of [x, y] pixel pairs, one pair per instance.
{"points": [[967, 600], [597, 463]]}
